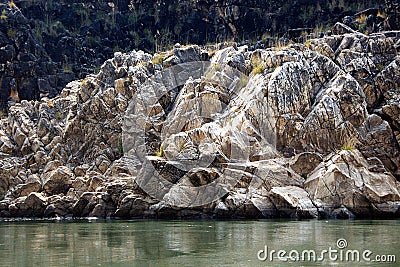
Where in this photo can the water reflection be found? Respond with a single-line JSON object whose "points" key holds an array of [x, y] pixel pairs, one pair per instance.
{"points": [[183, 243]]}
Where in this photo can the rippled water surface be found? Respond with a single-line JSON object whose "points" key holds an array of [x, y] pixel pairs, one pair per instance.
{"points": [[192, 243]]}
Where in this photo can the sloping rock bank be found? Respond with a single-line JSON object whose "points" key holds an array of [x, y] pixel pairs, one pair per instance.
{"points": [[302, 131]]}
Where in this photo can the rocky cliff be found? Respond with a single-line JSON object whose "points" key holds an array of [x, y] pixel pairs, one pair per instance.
{"points": [[302, 131], [66, 40]]}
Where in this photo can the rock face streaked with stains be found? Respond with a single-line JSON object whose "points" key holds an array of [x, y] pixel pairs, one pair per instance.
{"points": [[332, 105]]}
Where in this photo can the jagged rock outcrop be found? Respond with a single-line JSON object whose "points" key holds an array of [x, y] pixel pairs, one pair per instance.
{"points": [[302, 131], [349, 180], [50, 43]]}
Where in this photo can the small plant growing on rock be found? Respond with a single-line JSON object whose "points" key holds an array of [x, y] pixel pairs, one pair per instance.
{"points": [[379, 67], [350, 143], [3, 15], [160, 152], [308, 43], [67, 68], [120, 149], [362, 22], [11, 33], [258, 65], [58, 115], [211, 53], [84, 82], [381, 14], [279, 44], [12, 4], [362, 19], [347, 147], [258, 69], [158, 59], [96, 69], [128, 81]]}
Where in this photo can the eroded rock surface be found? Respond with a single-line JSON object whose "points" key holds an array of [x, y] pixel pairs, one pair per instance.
{"points": [[302, 131]]}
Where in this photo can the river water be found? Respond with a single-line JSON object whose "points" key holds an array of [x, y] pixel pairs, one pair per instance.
{"points": [[199, 243]]}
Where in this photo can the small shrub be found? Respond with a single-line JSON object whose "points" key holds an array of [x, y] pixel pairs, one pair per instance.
{"points": [[58, 115], [362, 22], [265, 37], [3, 15], [379, 67], [12, 4], [211, 53], [308, 43], [217, 67], [187, 45], [11, 33], [120, 149], [347, 147], [50, 104], [128, 81], [350, 144], [96, 69], [92, 41], [132, 19], [67, 68], [279, 44], [258, 69], [160, 152], [258, 66], [84, 82], [381, 14], [320, 28], [362, 19], [159, 59], [55, 28]]}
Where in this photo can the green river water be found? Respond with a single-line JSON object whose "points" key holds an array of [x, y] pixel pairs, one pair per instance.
{"points": [[198, 243]]}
